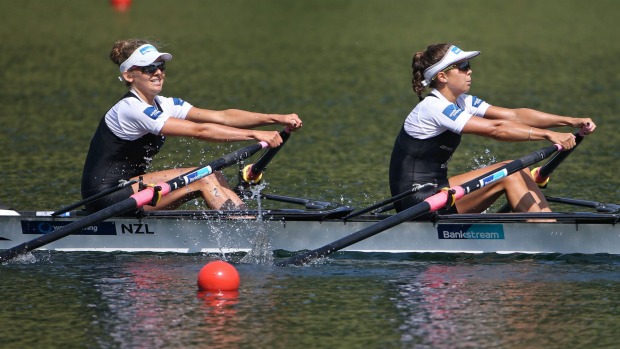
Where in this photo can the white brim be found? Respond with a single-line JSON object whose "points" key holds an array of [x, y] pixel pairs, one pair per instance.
{"points": [[453, 55], [143, 56]]}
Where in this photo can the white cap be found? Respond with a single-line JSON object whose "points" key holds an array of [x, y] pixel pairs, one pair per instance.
{"points": [[453, 55], [143, 56]]}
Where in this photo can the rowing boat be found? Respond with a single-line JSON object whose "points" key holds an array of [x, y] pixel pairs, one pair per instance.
{"points": [[322, 227], [185, 231]]}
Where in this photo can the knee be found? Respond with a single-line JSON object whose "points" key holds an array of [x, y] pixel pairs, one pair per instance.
{"points": [[517, 178]]}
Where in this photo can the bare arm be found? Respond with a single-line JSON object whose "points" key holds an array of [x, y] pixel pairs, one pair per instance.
{"points": [[217, 133], [538, 119], [510, 131], [242, 119]]}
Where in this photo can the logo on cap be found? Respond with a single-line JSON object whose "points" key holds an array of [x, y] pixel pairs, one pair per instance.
{"points": [[147, 49]]}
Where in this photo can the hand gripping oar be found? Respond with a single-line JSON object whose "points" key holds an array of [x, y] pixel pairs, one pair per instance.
{"points": [[542, 174], [252, 174], [149, 195], [431, 204]]}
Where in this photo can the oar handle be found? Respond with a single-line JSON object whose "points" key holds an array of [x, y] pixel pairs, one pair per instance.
{"points": [[253, 173], [262, 162], [541, 174]]}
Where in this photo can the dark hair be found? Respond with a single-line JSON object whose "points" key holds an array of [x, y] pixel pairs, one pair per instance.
{"points": [[122, 49], [421, 61]]}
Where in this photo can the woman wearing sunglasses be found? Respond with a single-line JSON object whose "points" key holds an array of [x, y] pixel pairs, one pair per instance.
{"points": [[432, 132], [134, 130]]}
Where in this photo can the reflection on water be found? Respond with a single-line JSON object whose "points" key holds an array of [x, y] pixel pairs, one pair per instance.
{"points": [[391, 301], [510, 306], [220, 316]]}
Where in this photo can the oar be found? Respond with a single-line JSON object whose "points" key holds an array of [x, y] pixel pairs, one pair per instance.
{"points": [[414, 189], [599, 206], [431, 204], [542, 174], [94, 197], [308, 203], [252, 174], [149, 195]]}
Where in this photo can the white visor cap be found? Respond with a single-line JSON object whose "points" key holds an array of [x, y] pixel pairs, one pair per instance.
{"points": [[453, 55], [143, 56]]}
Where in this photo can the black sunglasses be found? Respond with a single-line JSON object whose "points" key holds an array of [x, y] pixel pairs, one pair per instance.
{"points": [[152, 68], [463, 66]]}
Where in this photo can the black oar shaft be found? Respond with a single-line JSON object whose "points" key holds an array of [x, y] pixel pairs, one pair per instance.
{"points": [[386, 202], [431, 204], [599, 206], [94, 197], [311, 204], [215, 165], [97, 217], [509, 168], [394, 220]]}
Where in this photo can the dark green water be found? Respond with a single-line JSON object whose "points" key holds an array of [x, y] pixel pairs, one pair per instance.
{"points": [[344, 67], [106, 300]]}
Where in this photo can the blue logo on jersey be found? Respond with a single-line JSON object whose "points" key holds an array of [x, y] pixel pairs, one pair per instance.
{"points": [[452, 111], [152, 113], [475, 101], [178, 101]]}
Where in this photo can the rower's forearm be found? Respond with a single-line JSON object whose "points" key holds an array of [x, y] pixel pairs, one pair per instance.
{"points": [[540, 119], [247, 119], [223, 133]]}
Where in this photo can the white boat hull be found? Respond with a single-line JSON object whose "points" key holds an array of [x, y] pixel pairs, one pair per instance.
{"points": [[196, 232]]}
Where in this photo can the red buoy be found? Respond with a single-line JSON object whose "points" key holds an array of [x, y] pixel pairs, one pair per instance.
{"points": [[218, 276], [120, 5]]}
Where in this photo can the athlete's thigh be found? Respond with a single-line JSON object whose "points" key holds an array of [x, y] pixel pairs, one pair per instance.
{"points": [[468, 176], [478, 200]]}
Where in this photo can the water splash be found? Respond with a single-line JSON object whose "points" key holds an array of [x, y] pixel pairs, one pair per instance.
{"points": [[482, 160], [261, 252], [28, 258]]}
